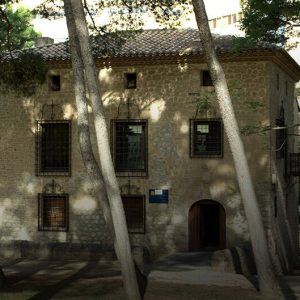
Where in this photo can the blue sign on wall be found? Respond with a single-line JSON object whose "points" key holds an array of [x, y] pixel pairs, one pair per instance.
{"points": [[158, 196]]}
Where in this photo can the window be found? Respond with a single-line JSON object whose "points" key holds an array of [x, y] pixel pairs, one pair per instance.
{"points": [[234, 18], [205, 78], [130, 80], [277, 81], [53, 148], [206, 138], [280, 139], [294, 164], [134, 207], [53, 212], [129, 145], [54, 84]]}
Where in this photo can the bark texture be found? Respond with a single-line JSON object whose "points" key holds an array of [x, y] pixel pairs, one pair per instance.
{"points": [[85, 145], [122, 244], [267, 280]]}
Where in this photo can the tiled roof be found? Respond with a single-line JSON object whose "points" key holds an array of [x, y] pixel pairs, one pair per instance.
{"points": [[148, 43]]}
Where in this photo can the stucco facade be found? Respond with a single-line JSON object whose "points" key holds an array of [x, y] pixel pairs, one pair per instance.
{"points": [[166, 96]]}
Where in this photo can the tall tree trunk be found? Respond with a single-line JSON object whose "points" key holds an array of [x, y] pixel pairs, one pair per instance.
{"points": [[87, 154], [267, 280], [122, 244]]}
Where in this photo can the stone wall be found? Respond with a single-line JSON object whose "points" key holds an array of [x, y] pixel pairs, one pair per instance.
{"points": [[283, 233], [165, 96]]}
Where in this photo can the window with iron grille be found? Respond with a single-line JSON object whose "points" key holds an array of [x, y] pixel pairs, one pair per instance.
{"points": [[134, 207], [294, 164], [206, 138], [280, 139], [53, 212], [129, 145], [53, 148]]}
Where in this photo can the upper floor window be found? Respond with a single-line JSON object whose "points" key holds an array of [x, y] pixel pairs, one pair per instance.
{"points": [[206, 138], [54, 83], [53, 148], [130, 80], [129, 145], [205, 78]]}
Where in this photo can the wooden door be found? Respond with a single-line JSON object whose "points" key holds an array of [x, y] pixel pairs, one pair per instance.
{"points": [[207, 226], [195, 234]]}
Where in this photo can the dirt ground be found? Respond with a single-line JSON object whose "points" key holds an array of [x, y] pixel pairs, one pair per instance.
{"points": [[91, 289], [79, 280]]}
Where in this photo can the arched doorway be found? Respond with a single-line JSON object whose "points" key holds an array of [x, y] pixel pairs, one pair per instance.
{"points": [[207, 226]]}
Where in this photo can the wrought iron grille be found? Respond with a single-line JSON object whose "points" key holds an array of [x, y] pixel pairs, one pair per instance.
{"points": [[53, 148], [294, 164], [53, 212], [129, 147], [206, 138], [134, 207]]}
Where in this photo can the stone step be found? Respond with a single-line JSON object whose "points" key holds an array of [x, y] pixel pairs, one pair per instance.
{"points": [[55, 251]]}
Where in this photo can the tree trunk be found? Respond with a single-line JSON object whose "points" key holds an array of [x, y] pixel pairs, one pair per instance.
{"points": [[267, 280], [87, 154], [122, 244]]}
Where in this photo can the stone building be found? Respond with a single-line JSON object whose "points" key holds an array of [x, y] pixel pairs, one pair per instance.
{"points": [[170, 152]]}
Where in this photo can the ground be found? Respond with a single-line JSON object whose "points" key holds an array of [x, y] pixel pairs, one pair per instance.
{"points": [[87, 280]]}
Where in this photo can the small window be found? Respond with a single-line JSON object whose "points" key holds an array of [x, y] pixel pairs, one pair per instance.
{"points": [[130, 80], [280, 139], [54, 83], [53, 148], [134, 207], [277, 81], [286, 88], [129, 144], [214, 23], [234, 18], [53, 212], [205, 78], [294, 164], [275, 206], [206, 138]]}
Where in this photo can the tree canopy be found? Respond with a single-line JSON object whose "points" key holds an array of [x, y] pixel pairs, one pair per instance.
{"points": [[25, 70], [17, 30], [273, 21]]}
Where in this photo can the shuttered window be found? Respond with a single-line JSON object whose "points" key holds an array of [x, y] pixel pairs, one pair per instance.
{"points": [[53, 212], [206, 138], [134, 207], [53, 148]]}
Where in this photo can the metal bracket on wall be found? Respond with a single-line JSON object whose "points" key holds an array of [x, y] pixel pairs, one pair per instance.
{"points": [[51, 112], [53, 188], [130, 189]]}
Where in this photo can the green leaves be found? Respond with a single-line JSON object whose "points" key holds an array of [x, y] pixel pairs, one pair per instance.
{"points": [[16, 29], [270, 21], [23, 74]]}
